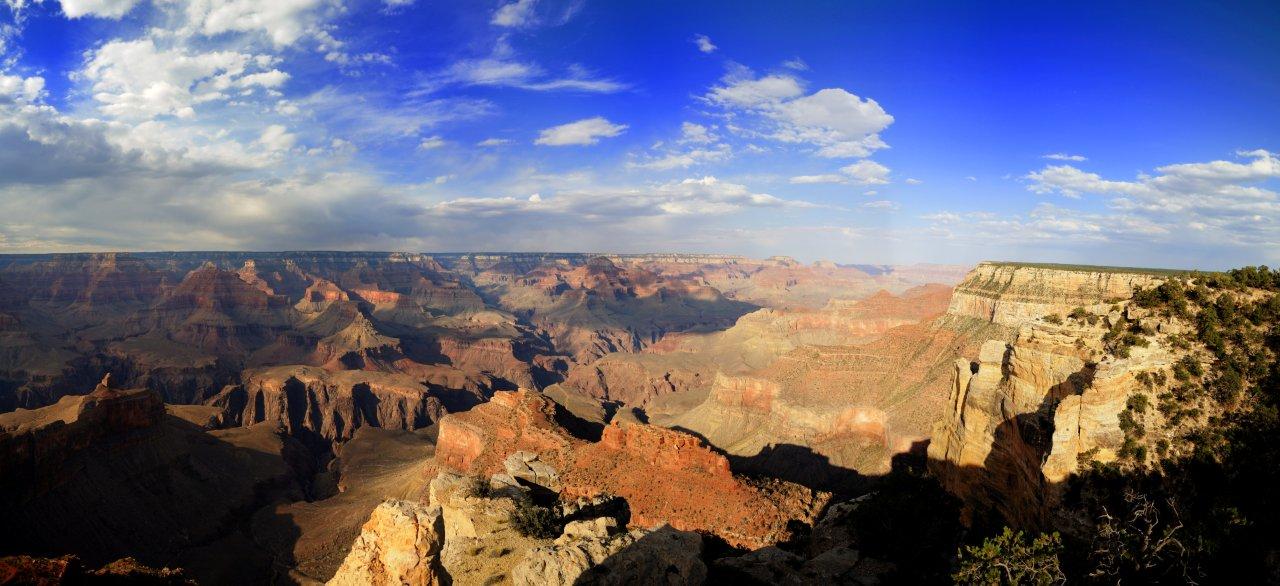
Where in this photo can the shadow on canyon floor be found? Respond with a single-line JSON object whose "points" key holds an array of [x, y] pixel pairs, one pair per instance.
{"points": [[173, 495]]}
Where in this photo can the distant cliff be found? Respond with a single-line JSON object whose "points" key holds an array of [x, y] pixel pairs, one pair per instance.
{"points": [[1013, 293]]}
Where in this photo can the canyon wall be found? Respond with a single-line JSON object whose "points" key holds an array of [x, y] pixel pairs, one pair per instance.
{"points": [[1021, 416], [1012, 293]]}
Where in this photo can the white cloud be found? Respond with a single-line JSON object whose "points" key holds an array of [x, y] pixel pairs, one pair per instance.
{"points": [[517, 14], [867, 173], [912, 181], [840, 124], [1065, 157], [277, 138], [797, 64], [137, 79], [744, 92], [696, 133], [811, 179], [1217, 205], [685, 159], [494, 142], [587, 131], [282, 21], [1213, 188], [884, 205], [375, 116], [704, 44], [503, 70], [689, 197], [101, 8], [430, 143], [971, 178], [862, 173], [28, 89]]}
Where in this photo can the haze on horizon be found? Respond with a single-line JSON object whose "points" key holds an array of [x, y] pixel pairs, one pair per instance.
{"points": [[1134, 135]]}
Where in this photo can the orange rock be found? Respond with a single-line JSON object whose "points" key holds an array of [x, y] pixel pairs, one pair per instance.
{"points": [[666, 476]]}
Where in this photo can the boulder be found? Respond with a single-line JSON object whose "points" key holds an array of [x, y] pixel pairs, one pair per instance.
{"points": [[661, 556], [526, 466], [400, 544]]}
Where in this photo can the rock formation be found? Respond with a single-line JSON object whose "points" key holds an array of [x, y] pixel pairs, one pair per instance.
{"points": [[699, 490], [111, 474], [1011, 293], [400, 544], [330, 404], [1019, 418]]}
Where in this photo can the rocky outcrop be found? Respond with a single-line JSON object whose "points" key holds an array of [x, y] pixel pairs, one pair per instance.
{"points": [[400, 544], [699, 492], [111, 474], [34, 444], [1020, 416], [1012, 293]]}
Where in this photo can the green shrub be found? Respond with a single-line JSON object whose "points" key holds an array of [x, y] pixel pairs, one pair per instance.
{"points": [[1054, 319], [1012, 558], [531, 520]]}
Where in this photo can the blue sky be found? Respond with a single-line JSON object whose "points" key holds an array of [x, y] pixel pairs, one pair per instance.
{"points": [[1140, 134]]}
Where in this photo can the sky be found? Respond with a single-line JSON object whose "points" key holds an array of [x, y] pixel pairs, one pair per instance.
{"points": [[1135, 133]]}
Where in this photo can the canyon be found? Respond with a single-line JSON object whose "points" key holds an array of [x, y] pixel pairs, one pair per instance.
{"points": [[391, 418]]}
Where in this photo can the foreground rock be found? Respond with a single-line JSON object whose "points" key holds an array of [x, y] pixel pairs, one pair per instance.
{"points": [[399, 545], [463, 535]]}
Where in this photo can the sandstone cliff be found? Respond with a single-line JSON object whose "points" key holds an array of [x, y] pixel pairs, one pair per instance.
{"points": [[330, 404], [1020, 418], [1011, 293]]}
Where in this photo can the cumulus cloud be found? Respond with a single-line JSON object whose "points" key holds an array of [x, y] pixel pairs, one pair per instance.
{"points": [[863, 172], [137, 79], [99, 8], [277, 138], [704, 44], [838, 123], [14, 87], [1214, 204], [282, 21], [587, 131], [867, 173], [696, 133]]}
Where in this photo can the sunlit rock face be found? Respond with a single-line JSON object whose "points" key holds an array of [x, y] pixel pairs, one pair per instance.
{"points": [[698, 490], [1021, 414], [1010, 294]]}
